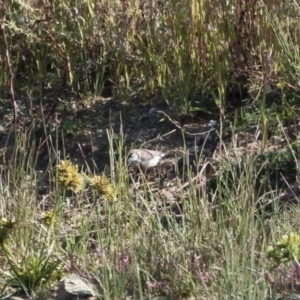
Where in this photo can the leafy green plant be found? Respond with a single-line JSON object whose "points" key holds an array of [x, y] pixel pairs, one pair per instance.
{"points": [[287, 249], [31, 270]]}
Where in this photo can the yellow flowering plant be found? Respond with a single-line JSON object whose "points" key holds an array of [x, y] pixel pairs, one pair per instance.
{"points": [[103, 186], [69, 177]]}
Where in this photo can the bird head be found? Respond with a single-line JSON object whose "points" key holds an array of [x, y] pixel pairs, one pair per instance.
{"points": [[133, 159]]}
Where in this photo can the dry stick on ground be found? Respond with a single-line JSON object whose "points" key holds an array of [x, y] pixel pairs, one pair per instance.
{"points": [[197, 176], [159, 137], [182, 129], [10, 81]]}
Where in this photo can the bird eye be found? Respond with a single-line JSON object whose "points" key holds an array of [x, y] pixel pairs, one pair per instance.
{"points": [[132, 157]]}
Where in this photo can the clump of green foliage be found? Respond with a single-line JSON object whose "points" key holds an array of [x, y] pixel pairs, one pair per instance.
{"points": [[286, 249], [29, 271]]}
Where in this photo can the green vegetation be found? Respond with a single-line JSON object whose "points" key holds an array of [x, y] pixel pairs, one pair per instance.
{"points": [[75, 69]]}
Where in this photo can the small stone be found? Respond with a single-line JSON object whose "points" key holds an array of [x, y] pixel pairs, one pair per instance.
{"points": [[73, 286], [152, 110], [211, 123]]}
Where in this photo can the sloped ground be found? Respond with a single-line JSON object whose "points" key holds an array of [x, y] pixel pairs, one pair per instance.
{"points": [[88, 129]]}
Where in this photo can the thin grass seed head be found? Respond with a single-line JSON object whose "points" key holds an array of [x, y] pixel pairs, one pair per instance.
{"points": [[68, 176], [103, 186], [6, 227], [286, 249]]}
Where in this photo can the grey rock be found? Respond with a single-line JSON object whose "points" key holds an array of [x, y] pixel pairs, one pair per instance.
{"points": [[211, 123], [73, 287], [152, 111]]}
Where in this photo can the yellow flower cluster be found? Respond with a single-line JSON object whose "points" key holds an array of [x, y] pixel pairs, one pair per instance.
{"points": [[103, 186], [48, 218], [286, 249], [281, 85], [71, 179], [68, 176]]}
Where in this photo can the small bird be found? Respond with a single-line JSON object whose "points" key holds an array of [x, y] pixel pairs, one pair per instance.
{"points": [[145, 158]]}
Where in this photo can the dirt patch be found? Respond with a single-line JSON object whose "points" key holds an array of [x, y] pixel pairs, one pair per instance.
{"points": [[94, 132]]}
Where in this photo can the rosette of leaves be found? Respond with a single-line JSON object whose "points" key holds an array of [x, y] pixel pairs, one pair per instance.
{"points": [[34, 271], [30, 270]]}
